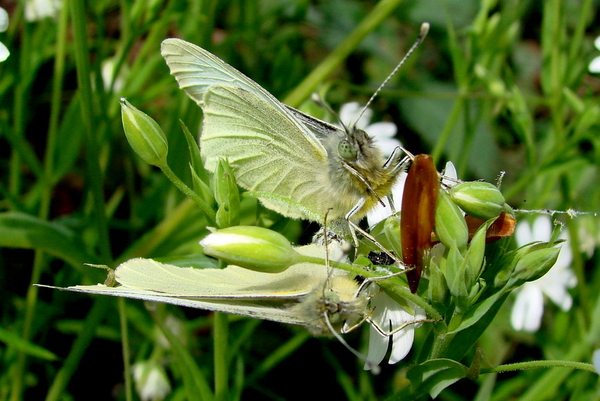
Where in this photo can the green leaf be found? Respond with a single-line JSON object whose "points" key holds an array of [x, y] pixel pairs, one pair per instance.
{"points": [[435, 375], [14, 340], [20, 230]]}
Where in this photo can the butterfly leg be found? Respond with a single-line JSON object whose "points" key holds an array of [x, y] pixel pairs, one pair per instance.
{"points": [[396, 330], [395, 162], [354, 228]]}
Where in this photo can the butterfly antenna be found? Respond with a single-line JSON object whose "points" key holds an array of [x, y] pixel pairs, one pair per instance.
{"points": [[319, 101], [326, 243], [422, 34]]}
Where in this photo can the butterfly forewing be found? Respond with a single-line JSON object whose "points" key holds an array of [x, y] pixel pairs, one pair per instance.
{"points": [[266, 149], [229, 283]]}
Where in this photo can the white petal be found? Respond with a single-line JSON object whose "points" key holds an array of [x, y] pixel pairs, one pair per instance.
{"points": [[4, 53], [3, 20], [528, 308], [401, 344], [388, 145], [450, 172], [558, 294], [38, 9], [382, 130], [594, 66], [378, 346], [597, 42], [523, 233], [596, 360], [403, 340], [379, 212], [349, 112], [542, 228]]}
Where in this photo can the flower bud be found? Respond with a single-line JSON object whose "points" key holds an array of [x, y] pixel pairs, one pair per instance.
{"points": [[535, 264], [478, 198], [450, 226], [144, 135], [254, 248], [151, 380], [227, 195]]}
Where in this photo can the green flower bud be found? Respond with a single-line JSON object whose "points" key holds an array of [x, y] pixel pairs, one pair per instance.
{"points": [[450, 226], [478, 199], [144, 135], [475, 253], [437, 290], [227, 195], [456, 274], [535, 264], [254, 248]]}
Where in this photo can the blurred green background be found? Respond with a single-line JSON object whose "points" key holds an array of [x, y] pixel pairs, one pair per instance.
{"points": [[497, 85]]}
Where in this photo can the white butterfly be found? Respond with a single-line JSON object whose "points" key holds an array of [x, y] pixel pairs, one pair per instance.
{"points": [[305, 294], [295, 164]]}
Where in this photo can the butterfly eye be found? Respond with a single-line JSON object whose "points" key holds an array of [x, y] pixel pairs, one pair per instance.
{"points": [[346, 150]]}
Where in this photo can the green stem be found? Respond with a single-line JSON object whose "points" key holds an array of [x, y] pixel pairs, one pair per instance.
{"points": [[443, 341], [126, 354], [91, 323], [208, 211], [145, 245], [455, 114], [220, 342], [88, 105], [540, 364]]}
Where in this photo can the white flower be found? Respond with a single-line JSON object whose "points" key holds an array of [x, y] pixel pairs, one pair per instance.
{"points": [[596, 360], [176, 327], [529, 305], [595, 64], [108, 74], [4, 53], [389, 315], [383, 132], [39, 9], [151, 381], [380, 212]]}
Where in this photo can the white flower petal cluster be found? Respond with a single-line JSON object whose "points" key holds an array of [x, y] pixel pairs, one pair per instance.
{"points": [[151, 381], [389, 316], [528, 308], [594, 66], [4, 53], [40, 9]]}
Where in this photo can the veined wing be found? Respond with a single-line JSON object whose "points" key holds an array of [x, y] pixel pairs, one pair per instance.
{"points": [[268, 151], [281, 313], [196, 69], [233, 282]]}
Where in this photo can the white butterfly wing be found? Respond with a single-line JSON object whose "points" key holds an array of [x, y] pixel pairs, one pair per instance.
{"points": [[196, 69], [233, 282], [231, 290], [277, 314], [267, 150]]}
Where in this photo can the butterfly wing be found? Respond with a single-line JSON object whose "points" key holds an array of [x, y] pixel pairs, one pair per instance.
{"points": [[267, 143], [268, 151], [274, 313], [231, 290], [233, 282]]}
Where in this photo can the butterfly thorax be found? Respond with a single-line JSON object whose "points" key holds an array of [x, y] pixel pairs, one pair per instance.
{"points": [[357, 171], [339, 301]]}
